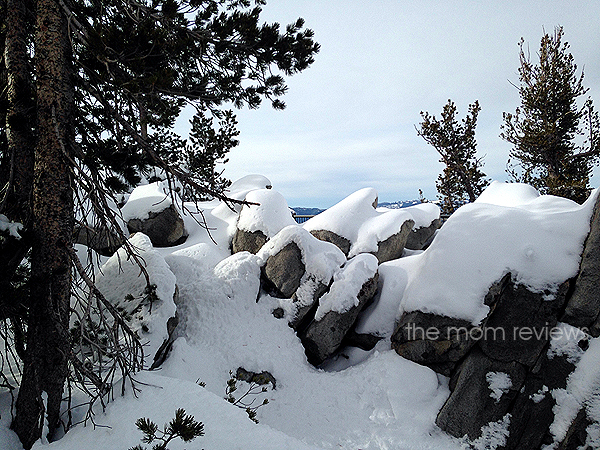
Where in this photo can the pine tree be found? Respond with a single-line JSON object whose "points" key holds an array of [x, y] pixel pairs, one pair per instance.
{"points": [[555, 140], [461, 180], [90, 93]]}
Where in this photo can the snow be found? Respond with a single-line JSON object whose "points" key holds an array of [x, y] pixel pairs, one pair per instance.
{"points": [[538, 239], [499, 384], [13, 228], [356, 219], [145, 199], [270, 215], [370, 400], [347, 283]]}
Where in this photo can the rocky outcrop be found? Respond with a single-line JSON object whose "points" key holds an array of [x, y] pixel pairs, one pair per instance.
{"points": [[501, 373], [164, 228], [419, 238], [392, 247], [248, 241], [329, 236], [324, 336], [284, 270], [583, 309]]}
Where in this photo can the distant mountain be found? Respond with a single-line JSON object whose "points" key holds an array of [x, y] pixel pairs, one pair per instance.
{"points": [[398, 205], [301, 211], [307, 211]]}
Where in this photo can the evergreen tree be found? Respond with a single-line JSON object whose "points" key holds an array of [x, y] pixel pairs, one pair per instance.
{"points": [[461, 179], [89, 94], [555, 140]]}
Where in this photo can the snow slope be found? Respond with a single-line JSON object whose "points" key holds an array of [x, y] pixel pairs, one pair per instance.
{"points": [[361, 400]]}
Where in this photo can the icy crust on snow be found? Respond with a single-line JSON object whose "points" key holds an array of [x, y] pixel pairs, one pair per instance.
{"points": [[153, 197], [347, 283], [538, 239], [120, 276], [356, 219], [321, 259], [270, 215]]}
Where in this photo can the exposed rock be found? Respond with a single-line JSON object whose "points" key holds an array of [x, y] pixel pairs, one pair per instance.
{"points": [[583, 308], [323, 337], [329, 236], [392, 247], [173, 333], [420, 237], [519, 326], [305, 311], [249, 241], [164, 228], [438, 342], [576, 436], [364, 341], [285, 270], [473, 404], [261, 378], [102, 240]]}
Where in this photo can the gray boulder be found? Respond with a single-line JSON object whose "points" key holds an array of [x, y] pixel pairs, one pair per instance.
{"points": [[164, 228], [438, 342], [329, 236], [392, 247], [583, 308], [284, 270], [419, 238], [477, 400], [102, 240], [248, 241], [323, 337]]}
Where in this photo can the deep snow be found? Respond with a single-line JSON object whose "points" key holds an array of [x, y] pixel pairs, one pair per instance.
{"points": [[360, 400]]}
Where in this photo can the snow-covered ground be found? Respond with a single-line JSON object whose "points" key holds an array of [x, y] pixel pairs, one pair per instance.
{"points": [[361, 400]]}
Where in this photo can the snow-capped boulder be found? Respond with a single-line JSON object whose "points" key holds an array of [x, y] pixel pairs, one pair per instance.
{"points": [[583, 309], [427, 221], [352, 289], [265, 214], [146, 307], [357, 220], [297, 266], [150, 210]]}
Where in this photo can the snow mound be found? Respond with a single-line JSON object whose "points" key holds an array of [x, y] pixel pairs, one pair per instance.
{"points": [[270, 215], [123, 284], [538, 239], [347, 283], [145, 199]]}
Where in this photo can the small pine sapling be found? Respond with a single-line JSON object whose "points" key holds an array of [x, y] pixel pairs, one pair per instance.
{"points": [[245, 401], [183, 426]]}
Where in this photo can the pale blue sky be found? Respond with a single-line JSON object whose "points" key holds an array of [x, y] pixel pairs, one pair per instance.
{"points": [[350, 118]]}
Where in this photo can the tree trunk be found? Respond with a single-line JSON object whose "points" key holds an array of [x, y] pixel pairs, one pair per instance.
{"points": [[19, 128], [45, 366]]}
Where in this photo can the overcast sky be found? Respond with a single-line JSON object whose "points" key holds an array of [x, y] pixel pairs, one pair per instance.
{"points": [[350, 118]]}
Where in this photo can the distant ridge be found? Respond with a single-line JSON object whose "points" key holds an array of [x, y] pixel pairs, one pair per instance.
{"points": [[301, 211]]}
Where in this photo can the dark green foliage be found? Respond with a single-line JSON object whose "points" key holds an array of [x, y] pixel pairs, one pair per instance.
{"points": [[555, 140], [461, 180], [183, 426]]}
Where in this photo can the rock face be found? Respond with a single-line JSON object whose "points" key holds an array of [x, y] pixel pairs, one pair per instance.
{"points": [[392, 247], [102, 240], [501, 372], [583, 309], [248, 241], [323, 337], [435, 341], [285, 269], [419, 238], [164, 228], [329, 236]]}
